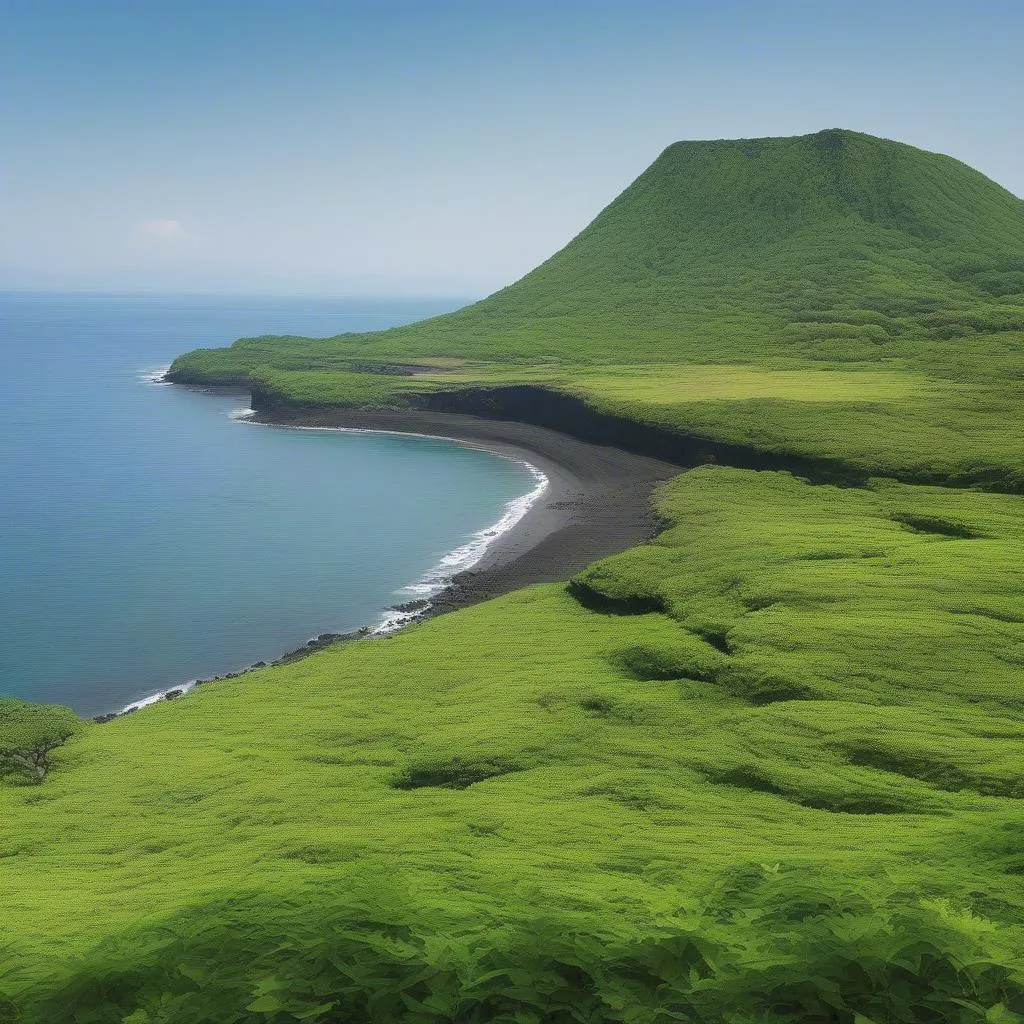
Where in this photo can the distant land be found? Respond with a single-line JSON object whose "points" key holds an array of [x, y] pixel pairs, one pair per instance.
{"points": [[764, 766]]}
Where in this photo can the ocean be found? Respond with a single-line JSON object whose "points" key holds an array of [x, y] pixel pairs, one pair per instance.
{"points": [[150, 536]]}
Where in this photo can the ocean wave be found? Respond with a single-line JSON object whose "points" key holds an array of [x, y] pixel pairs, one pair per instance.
{"points": [[437, 578], [153, 698], [241, 414], [156, 375]]}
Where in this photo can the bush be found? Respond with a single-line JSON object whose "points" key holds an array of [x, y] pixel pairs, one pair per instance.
{"points": [[684, 658], [809, 953]]}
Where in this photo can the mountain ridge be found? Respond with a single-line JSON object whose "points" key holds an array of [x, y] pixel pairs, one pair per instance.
{"points": [[822, 246]]}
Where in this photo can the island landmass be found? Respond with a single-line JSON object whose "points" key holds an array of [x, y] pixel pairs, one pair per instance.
{"points": [[759, 762]]}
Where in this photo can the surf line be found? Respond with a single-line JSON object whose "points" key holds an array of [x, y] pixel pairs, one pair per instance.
{"points": [[462, 558]]}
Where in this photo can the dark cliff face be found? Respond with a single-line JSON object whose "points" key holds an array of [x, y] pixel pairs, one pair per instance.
{"points": [[569, 415], [201, 379], [540, 407]]}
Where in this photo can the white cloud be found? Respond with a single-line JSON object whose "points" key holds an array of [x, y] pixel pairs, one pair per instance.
{"points": [[163, 228]]}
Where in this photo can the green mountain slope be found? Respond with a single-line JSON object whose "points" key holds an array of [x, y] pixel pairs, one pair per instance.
{"points": [[810, 239], [834, 253], [828, 246]]}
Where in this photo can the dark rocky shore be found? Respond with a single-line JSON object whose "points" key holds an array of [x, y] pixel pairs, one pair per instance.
{"points": [[601, 470]]}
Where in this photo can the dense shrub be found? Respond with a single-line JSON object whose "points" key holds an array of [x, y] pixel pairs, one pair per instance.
{"points": [[808, 954]]}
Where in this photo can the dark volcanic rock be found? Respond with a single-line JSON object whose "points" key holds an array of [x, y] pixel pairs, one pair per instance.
{"points": [[318, 643]]}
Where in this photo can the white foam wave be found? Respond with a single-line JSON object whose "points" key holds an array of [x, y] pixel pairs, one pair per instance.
{"points": [[464, 557], [393, 619], [241, 414], [157, 375], [181, 688]]}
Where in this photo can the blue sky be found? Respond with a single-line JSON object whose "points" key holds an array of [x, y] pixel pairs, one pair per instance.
{"points": [[435, 147]]}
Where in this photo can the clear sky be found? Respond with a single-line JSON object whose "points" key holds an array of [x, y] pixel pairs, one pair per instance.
{"points": [[435, 147]]}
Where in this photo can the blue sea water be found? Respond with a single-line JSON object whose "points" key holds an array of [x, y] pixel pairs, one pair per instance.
{"points": [[148, 538]]}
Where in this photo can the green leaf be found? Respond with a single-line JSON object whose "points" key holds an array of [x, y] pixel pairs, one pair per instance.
{"points": [[266, 1004], [313, 1011]]}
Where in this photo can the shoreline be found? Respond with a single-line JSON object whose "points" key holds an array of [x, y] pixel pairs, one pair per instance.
{"points": [[597, 502], [590, 501]]}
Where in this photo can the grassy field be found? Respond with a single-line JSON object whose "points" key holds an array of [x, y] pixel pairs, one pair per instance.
{"points": [[883, 421], [766, 768], [784, 740]]}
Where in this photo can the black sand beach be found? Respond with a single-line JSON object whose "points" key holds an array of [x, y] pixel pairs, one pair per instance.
{"points": [[597, 502]]}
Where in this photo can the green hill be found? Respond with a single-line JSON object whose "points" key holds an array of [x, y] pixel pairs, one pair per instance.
{"points": [[820, 244], [818, 296], [828, 246]]}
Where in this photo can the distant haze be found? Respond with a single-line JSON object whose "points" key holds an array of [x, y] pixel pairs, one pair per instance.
{"points": [[440, 148]]}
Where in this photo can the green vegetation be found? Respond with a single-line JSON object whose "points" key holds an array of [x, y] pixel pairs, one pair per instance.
{"points": [[29, 733], [317, 387], [766, 768], [831, 296], [782, 778], [829, 247]]}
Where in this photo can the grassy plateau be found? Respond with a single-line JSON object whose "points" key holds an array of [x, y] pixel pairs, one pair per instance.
{"points": [[765, 768]]}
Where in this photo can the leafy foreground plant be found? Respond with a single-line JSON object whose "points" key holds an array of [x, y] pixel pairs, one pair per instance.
{"points": [[799, 955]]}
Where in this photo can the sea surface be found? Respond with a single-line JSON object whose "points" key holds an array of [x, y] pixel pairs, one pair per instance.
{"points": [[148, 536]]}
